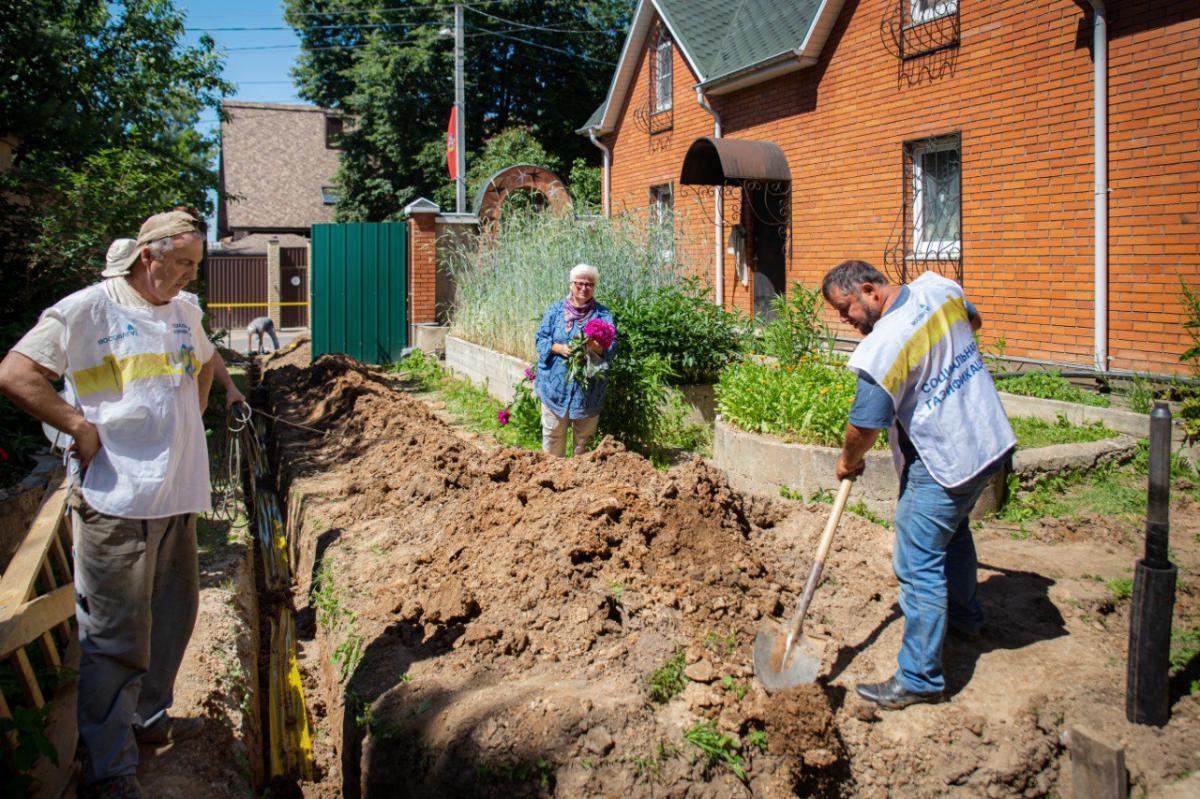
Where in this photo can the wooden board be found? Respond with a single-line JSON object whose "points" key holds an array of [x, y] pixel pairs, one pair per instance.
{"points": [[1097, 768]]}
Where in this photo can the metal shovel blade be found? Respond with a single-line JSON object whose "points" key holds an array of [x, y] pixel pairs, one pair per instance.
{"points": [[802, 663]]}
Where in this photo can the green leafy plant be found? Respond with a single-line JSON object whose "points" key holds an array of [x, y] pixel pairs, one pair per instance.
{"points": [[808, 403], [798, 329], [1141, 395], [758, 739], [420, 370], [1049, 385], [716, 748], [725, 644], [738, 689], [1121, 588], [668, 680], [28, 726]]}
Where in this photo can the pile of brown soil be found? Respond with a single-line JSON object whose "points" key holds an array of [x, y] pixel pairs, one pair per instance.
{"points": [[499, 623]]}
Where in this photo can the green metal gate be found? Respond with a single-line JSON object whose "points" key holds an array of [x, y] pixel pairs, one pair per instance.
{"points": [[359, 278]]}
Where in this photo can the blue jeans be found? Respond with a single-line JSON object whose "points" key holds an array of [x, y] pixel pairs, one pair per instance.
{"points": [[934, 560]]}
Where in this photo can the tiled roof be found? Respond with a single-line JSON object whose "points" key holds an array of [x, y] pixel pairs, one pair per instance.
{"points": [[722, 38], [760, 29]]}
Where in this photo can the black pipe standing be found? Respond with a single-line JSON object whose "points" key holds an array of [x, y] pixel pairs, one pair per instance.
{"points": [[1147, 698]]}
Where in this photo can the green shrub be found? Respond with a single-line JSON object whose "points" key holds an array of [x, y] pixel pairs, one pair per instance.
{"points": [[808, 403], [798, 329], [1049, 385], [680, 322]]}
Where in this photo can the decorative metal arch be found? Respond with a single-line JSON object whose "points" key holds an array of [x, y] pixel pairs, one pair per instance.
{"points": [[520, 176]]}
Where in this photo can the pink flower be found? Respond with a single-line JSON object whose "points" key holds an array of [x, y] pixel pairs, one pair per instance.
{"points": [[530, 374], [502, 416], [601, 332]]}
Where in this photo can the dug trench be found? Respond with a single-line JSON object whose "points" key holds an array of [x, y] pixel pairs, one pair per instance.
{"points": [[476, 621]]}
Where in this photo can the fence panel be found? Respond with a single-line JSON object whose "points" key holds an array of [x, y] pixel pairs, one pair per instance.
{"points": [[237, 290], [360, 290]]}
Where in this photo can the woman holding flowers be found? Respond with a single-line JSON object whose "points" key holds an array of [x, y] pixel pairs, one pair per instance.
{"points": [[575, 342]]}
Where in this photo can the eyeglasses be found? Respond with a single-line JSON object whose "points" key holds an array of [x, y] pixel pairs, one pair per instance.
{"points": [[583, 284]]}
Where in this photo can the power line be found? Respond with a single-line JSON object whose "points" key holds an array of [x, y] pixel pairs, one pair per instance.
{"points": [[522, 25], [556, 50]]}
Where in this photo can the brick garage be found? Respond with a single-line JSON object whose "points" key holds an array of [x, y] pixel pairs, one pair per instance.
{"points": [[1017, 90]]}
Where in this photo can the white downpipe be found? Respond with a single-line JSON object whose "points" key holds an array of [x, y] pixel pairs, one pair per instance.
{"points": [[1100, 138], [719, 223], [606, 192]]}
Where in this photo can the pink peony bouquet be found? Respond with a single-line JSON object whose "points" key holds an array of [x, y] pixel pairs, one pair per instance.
{"points": [[578, 368], [600, 332]]}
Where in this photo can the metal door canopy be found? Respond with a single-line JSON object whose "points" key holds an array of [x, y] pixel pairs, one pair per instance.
{"points": [[717, 162]]}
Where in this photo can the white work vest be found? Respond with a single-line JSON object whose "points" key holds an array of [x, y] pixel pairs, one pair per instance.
{"points": [[133, 370], [925, 356]]}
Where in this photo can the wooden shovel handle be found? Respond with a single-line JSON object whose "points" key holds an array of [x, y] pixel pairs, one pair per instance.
{"points": [[814, 576]]}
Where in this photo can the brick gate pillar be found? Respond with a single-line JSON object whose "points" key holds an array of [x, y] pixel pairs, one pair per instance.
{"points": [[422, 263]]}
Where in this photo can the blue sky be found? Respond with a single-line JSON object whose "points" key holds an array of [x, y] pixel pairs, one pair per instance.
{"points": [[260, 74]]}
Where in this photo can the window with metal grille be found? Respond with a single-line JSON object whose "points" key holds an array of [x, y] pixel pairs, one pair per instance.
{"points": [[928, 232], [937, 198], [662, 74]]}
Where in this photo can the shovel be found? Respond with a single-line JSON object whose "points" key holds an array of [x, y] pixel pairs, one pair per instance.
{"points": [[783, 657]]}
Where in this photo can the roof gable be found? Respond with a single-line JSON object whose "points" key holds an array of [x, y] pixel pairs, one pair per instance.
{"points": [[723, 40]]}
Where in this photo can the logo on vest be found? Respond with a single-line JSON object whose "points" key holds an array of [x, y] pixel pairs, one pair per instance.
{"points": [[184, 360], [126, 333]]}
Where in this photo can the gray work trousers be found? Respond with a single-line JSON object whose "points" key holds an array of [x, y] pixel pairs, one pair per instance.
{"points": [[261, 336], [136, 597]]}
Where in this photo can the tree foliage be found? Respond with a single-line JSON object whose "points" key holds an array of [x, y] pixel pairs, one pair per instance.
{"points": [[537, 65], [99, 103]]}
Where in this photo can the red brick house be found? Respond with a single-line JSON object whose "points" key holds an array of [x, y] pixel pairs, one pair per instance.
{"points": [[953, 135]]}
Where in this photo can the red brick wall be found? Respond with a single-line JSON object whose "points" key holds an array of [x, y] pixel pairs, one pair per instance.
{"points": [[1018, 90], [422, 269]]}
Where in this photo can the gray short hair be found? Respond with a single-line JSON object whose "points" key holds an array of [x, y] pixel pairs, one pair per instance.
{"points": [[157, 248], [847, 276], [582, 270]]}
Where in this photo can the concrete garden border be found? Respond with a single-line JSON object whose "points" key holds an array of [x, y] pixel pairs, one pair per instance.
{"points": [[764, 464]]}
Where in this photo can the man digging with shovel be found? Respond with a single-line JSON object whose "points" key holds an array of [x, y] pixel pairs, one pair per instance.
{"points": [[922, 378]]}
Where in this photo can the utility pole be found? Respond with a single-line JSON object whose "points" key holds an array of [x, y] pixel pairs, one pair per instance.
{"points": [[460, 157]]}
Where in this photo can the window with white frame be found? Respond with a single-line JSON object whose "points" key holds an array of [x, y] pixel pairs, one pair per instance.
{"points": [[936, 198], [662, 74], [929, 10], [663, 198]]}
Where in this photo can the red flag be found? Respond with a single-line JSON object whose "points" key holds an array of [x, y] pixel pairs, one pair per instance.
{"points": [[452, 144]]}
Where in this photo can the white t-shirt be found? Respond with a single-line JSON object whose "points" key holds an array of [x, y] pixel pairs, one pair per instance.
{"points": [[133, 366]]}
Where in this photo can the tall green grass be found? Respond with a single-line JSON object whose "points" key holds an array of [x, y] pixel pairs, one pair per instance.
{"points": [[505, 280]]}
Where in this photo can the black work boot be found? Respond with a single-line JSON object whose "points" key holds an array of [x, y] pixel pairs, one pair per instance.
{"points": [[891, 695]]}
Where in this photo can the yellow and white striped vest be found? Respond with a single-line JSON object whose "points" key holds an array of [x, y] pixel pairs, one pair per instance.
{"points": [[925, 356]]}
